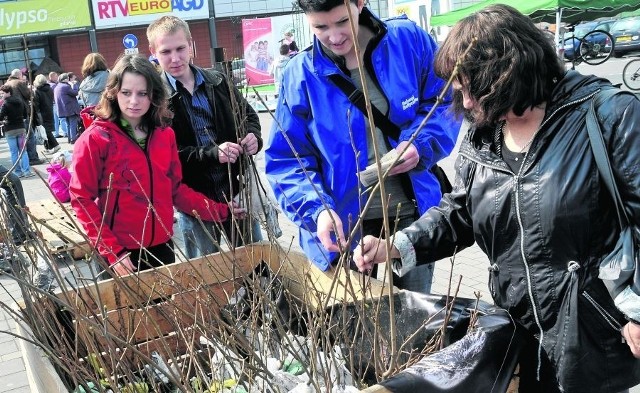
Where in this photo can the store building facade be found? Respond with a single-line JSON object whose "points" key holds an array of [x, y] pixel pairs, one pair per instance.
{"points": [[60, 33]]}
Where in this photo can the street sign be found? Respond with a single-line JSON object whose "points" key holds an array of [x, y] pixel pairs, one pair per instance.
{"points": [[130, 41], [130, 51]]}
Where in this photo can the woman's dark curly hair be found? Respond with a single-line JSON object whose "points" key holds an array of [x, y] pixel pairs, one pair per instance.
{"points": [[511, 65], [158, 113]]}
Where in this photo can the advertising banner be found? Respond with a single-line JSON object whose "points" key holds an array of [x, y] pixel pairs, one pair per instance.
{"points": [[42, 17], [118, 13], [258, 46]]}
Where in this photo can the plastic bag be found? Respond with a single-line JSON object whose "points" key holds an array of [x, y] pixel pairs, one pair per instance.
{"points": [[41, 134]]}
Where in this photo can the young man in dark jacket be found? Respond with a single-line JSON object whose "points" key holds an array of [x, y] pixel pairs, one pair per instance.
{"points": [[214, 127]]}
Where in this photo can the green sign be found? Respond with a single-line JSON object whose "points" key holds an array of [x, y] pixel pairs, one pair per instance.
{"points": [[42, 17]]}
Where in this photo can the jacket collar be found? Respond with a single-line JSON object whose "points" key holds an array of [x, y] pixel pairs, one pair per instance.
{"points": [[571, 90], [210, 78]]}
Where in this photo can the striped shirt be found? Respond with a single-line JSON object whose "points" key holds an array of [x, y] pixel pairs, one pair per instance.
{"points": [[198, 108]]}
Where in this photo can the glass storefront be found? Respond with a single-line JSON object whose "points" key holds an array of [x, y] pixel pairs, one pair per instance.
{"points": [[12, 54]]}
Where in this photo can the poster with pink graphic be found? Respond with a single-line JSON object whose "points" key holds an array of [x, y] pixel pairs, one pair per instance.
{"points": [[257, 50]]}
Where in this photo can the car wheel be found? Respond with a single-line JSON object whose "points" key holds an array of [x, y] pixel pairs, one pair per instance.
{"points": [[617, 54]]}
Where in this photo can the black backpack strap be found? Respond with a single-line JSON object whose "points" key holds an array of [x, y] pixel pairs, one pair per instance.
{"points": [[357, 98], [389, 129]]}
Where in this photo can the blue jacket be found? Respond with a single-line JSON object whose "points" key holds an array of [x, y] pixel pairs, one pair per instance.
{"points": [[313, 114], [65, 97]]}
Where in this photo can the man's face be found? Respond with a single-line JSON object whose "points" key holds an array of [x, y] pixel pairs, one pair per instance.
{"points": [[173, 52], [333, 28]]}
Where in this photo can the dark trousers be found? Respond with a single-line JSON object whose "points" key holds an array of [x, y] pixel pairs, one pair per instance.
{"points": [[148, 258], [15, 202], [31, 143], [51, 141]]}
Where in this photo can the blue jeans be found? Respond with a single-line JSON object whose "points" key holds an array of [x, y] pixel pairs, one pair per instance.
{"points": [[16, 143], [70, 124], [198, 237], [56, 122]]}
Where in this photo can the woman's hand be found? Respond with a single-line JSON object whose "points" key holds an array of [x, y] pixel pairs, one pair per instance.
{"points": [[124, 266], [326, 226], [631, 333], [372, 250], [410, 158]]}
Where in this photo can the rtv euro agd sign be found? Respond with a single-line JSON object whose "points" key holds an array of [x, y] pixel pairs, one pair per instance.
{"points": [[114, 13], [41, 17]]}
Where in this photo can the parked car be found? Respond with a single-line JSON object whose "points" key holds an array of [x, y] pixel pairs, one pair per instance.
{"points": [[626, 33], [572, 41]]}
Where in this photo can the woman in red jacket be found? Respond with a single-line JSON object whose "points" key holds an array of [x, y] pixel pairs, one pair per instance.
{"points": [[127, 176]]}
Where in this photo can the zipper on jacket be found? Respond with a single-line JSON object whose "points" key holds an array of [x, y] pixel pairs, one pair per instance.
{"points": [[151, 190], [145, 151], [534, 305], [611, 321], [114, 211]]}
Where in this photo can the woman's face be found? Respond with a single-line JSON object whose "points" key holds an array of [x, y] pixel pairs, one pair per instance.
{"points": [[333, 28], [468, 102], [133, 98]]}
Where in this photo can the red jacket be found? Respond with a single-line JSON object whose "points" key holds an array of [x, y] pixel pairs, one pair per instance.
{"points": [[123, 195]]}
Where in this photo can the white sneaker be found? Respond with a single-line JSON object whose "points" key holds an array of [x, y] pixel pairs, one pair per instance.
{"points": [[52, 151]]}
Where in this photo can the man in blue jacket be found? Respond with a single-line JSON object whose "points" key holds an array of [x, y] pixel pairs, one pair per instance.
{"points": [[321, 140]]}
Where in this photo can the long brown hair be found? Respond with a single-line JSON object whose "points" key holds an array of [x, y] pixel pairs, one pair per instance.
{"points": [[158, 113], [93, 62], [511, 65]]}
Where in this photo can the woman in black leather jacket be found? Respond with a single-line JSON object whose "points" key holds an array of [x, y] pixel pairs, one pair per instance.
{"points": [[528, 191]]}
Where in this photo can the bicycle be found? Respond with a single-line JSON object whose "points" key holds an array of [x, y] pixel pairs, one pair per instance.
{"points": [[593, 48], [631, 75]]}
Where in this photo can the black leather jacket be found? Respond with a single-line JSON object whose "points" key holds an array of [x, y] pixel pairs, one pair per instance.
{"points": [[234, 118], [546, 228]]}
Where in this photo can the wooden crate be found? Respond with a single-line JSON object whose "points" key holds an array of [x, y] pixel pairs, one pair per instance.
{"points": [[150, 330], [56, 224]]}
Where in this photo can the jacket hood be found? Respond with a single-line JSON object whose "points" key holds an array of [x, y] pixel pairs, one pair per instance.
{"points": [[283, 61], [575, 86], [105, 124], [45, 88], [95, 82]]}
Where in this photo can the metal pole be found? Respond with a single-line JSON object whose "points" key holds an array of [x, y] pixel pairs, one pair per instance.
{"points": [[93, 40], [213, 35]]}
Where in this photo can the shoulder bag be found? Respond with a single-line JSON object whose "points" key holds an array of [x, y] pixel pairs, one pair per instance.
{"points": [[617, 269]]}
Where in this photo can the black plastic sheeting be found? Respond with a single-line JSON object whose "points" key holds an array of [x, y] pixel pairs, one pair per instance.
{"points": [[483, 360]]}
